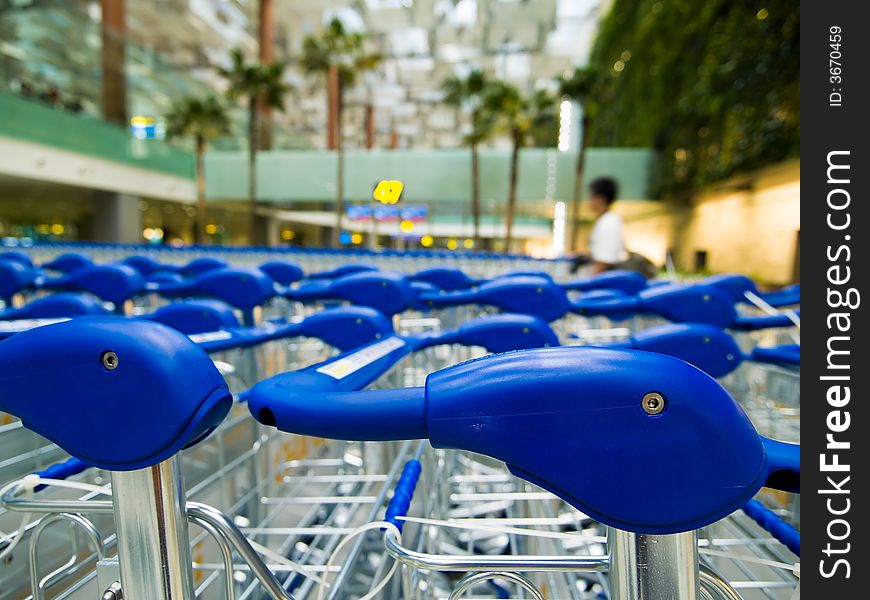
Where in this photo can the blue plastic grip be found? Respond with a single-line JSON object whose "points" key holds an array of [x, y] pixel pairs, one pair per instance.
{"points": [[522, 294], [403, 494], [15, 277], [448, 279], [68, 262], [315, 403], [774, 525], [58, 381], [627, 282], [757, 322], [62, 470], [16, 256], [788, 354]]}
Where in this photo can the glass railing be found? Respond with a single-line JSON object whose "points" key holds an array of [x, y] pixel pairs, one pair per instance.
{"points": [[430, 176], [36, 122]]}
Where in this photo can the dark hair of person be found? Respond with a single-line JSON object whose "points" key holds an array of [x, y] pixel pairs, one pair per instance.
{"points": [[606, 188]]}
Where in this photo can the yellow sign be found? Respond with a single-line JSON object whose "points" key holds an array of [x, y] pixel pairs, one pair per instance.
{"points": [[388, 192]]}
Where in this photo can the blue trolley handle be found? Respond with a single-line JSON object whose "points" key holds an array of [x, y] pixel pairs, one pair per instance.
{"points": [[403, 494], [757, 322], [632, 405], [774, 525], [332, 379], [789, 354], [62, 470], [72, 381]]}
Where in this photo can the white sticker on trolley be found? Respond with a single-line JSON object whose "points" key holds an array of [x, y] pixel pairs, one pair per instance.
{"points": [[210, 336], [19, 325], [352, 363]]}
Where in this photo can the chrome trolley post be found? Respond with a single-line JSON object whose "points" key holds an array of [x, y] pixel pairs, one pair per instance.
{"points": [[151, 525], [653, 567]]}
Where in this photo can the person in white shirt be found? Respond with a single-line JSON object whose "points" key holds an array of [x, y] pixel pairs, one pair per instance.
{"points": [[606, 244]]}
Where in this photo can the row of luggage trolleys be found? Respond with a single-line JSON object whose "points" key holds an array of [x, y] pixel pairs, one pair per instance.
{"points": [[309, 488]]}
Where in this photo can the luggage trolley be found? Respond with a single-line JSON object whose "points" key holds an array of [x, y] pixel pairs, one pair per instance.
{"points": [[490, 419], [249, 462], [226, 468], [502, 423]]}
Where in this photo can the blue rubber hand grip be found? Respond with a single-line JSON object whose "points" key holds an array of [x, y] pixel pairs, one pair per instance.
{"points": [[159, 279], [312, 403], [144, 385], [733, 285], [445, 278], [758, 322], [788, 296], [403, 494], [204, 264], [17, 257], [674, 436], [242, 288], [147, 265], [389, 293], [736, 287], [345, 328], [538, 274], [62, 470], [68, 262], [326, 382], [196, 316], [788, 354], [527, 295], [283, 272], [499, 333], [113, 283], [15, 277], [341, 271], [62, 304], [707, 347], [774, 525], [678, 304], [627, 282]]}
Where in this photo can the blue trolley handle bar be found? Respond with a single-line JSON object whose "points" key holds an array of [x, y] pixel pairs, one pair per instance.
{"points": [[356, 369], [757, 322], [403, 494], [775, 525], [62, 470], [789, 354], [344, 328], [643, 412]]}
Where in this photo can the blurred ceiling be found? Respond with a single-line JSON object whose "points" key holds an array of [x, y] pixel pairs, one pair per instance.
{"points": [[527, 42]]}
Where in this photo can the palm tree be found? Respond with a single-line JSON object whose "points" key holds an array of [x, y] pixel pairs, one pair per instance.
{"points": [[518, 116], [468, 93], [202, 119], [579, 87], [261, 86], [342, 57]]}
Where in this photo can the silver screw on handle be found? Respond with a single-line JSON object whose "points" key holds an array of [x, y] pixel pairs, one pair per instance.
{"points": [[653, 403]]}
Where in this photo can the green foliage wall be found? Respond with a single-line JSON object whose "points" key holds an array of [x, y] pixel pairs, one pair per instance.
{"points": [[713, 85]]}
